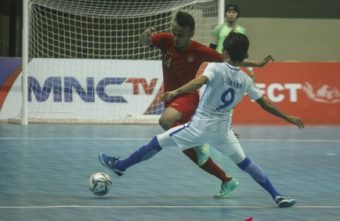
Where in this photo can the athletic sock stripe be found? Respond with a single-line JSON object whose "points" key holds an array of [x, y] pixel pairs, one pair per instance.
{"points": [[155, 144], [176, 131], [244, 163]]}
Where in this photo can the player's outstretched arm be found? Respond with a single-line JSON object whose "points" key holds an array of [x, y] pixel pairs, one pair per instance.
{"points": [[190, 86], [250, 72], [250, 63], [145, 37], [270, 108]]}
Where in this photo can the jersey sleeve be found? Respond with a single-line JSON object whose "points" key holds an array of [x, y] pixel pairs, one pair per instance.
{"points": [[201, 69], [217, 30], [240, 29], [209, 71], [252, 91], [160, 40]]}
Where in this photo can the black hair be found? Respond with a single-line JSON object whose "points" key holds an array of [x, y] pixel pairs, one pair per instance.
{"points": [[232, 6], [237, 45], [185, 20]]}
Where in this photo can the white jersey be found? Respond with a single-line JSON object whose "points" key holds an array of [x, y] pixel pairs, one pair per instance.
{"points": [[211, 122], [226, 88]]}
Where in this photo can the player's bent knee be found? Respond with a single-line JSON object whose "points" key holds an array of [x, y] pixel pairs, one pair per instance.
{"points": [[164, 123]]}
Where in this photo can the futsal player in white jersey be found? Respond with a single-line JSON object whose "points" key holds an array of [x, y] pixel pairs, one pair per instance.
{"points": [[226, 85]]}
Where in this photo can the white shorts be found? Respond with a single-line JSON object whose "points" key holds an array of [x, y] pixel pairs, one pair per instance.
{"points": [[196, 133]]}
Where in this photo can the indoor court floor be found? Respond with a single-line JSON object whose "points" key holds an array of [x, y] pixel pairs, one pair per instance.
{"points": [[44, 171]]}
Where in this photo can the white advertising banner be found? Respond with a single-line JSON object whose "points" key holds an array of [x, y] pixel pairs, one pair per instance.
{"points": [[91, 90], [97, 90]]}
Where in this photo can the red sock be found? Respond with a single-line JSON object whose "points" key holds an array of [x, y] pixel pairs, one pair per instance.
{"points": [[210, 166], [191, 153]]}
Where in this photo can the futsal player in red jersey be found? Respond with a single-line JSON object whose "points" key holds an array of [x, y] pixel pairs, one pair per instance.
{"points": [[181, 59]]}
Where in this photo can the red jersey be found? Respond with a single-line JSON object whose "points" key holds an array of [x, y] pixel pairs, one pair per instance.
{"points": [[180, 67]]}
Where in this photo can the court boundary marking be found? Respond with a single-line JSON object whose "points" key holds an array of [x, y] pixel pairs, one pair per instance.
{"points": [[162, 207], [144, 138]]}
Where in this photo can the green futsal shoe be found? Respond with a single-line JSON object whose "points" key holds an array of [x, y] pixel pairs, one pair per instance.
{"points": [[227, 188]]}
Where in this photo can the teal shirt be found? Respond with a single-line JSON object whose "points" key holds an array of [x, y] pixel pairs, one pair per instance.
{"points": [[221, 31]]}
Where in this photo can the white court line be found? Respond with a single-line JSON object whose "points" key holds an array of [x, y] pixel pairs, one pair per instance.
{"points": [[145, 138], [162, 207], [74, 138]]}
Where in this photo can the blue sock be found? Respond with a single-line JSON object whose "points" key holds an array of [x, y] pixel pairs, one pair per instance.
{"points": [[143, 153], [259, 176]]}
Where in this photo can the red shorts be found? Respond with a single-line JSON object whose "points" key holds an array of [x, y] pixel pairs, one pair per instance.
{"points": [[186, 104]]}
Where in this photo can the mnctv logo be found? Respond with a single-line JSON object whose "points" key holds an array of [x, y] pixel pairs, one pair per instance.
{"points": [[64, 88]]}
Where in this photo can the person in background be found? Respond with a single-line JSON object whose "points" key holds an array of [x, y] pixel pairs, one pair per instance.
{"points": [[220, 32]]}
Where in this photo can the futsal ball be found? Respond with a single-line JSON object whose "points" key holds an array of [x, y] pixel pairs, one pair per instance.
{"points": [[100, 183]]}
